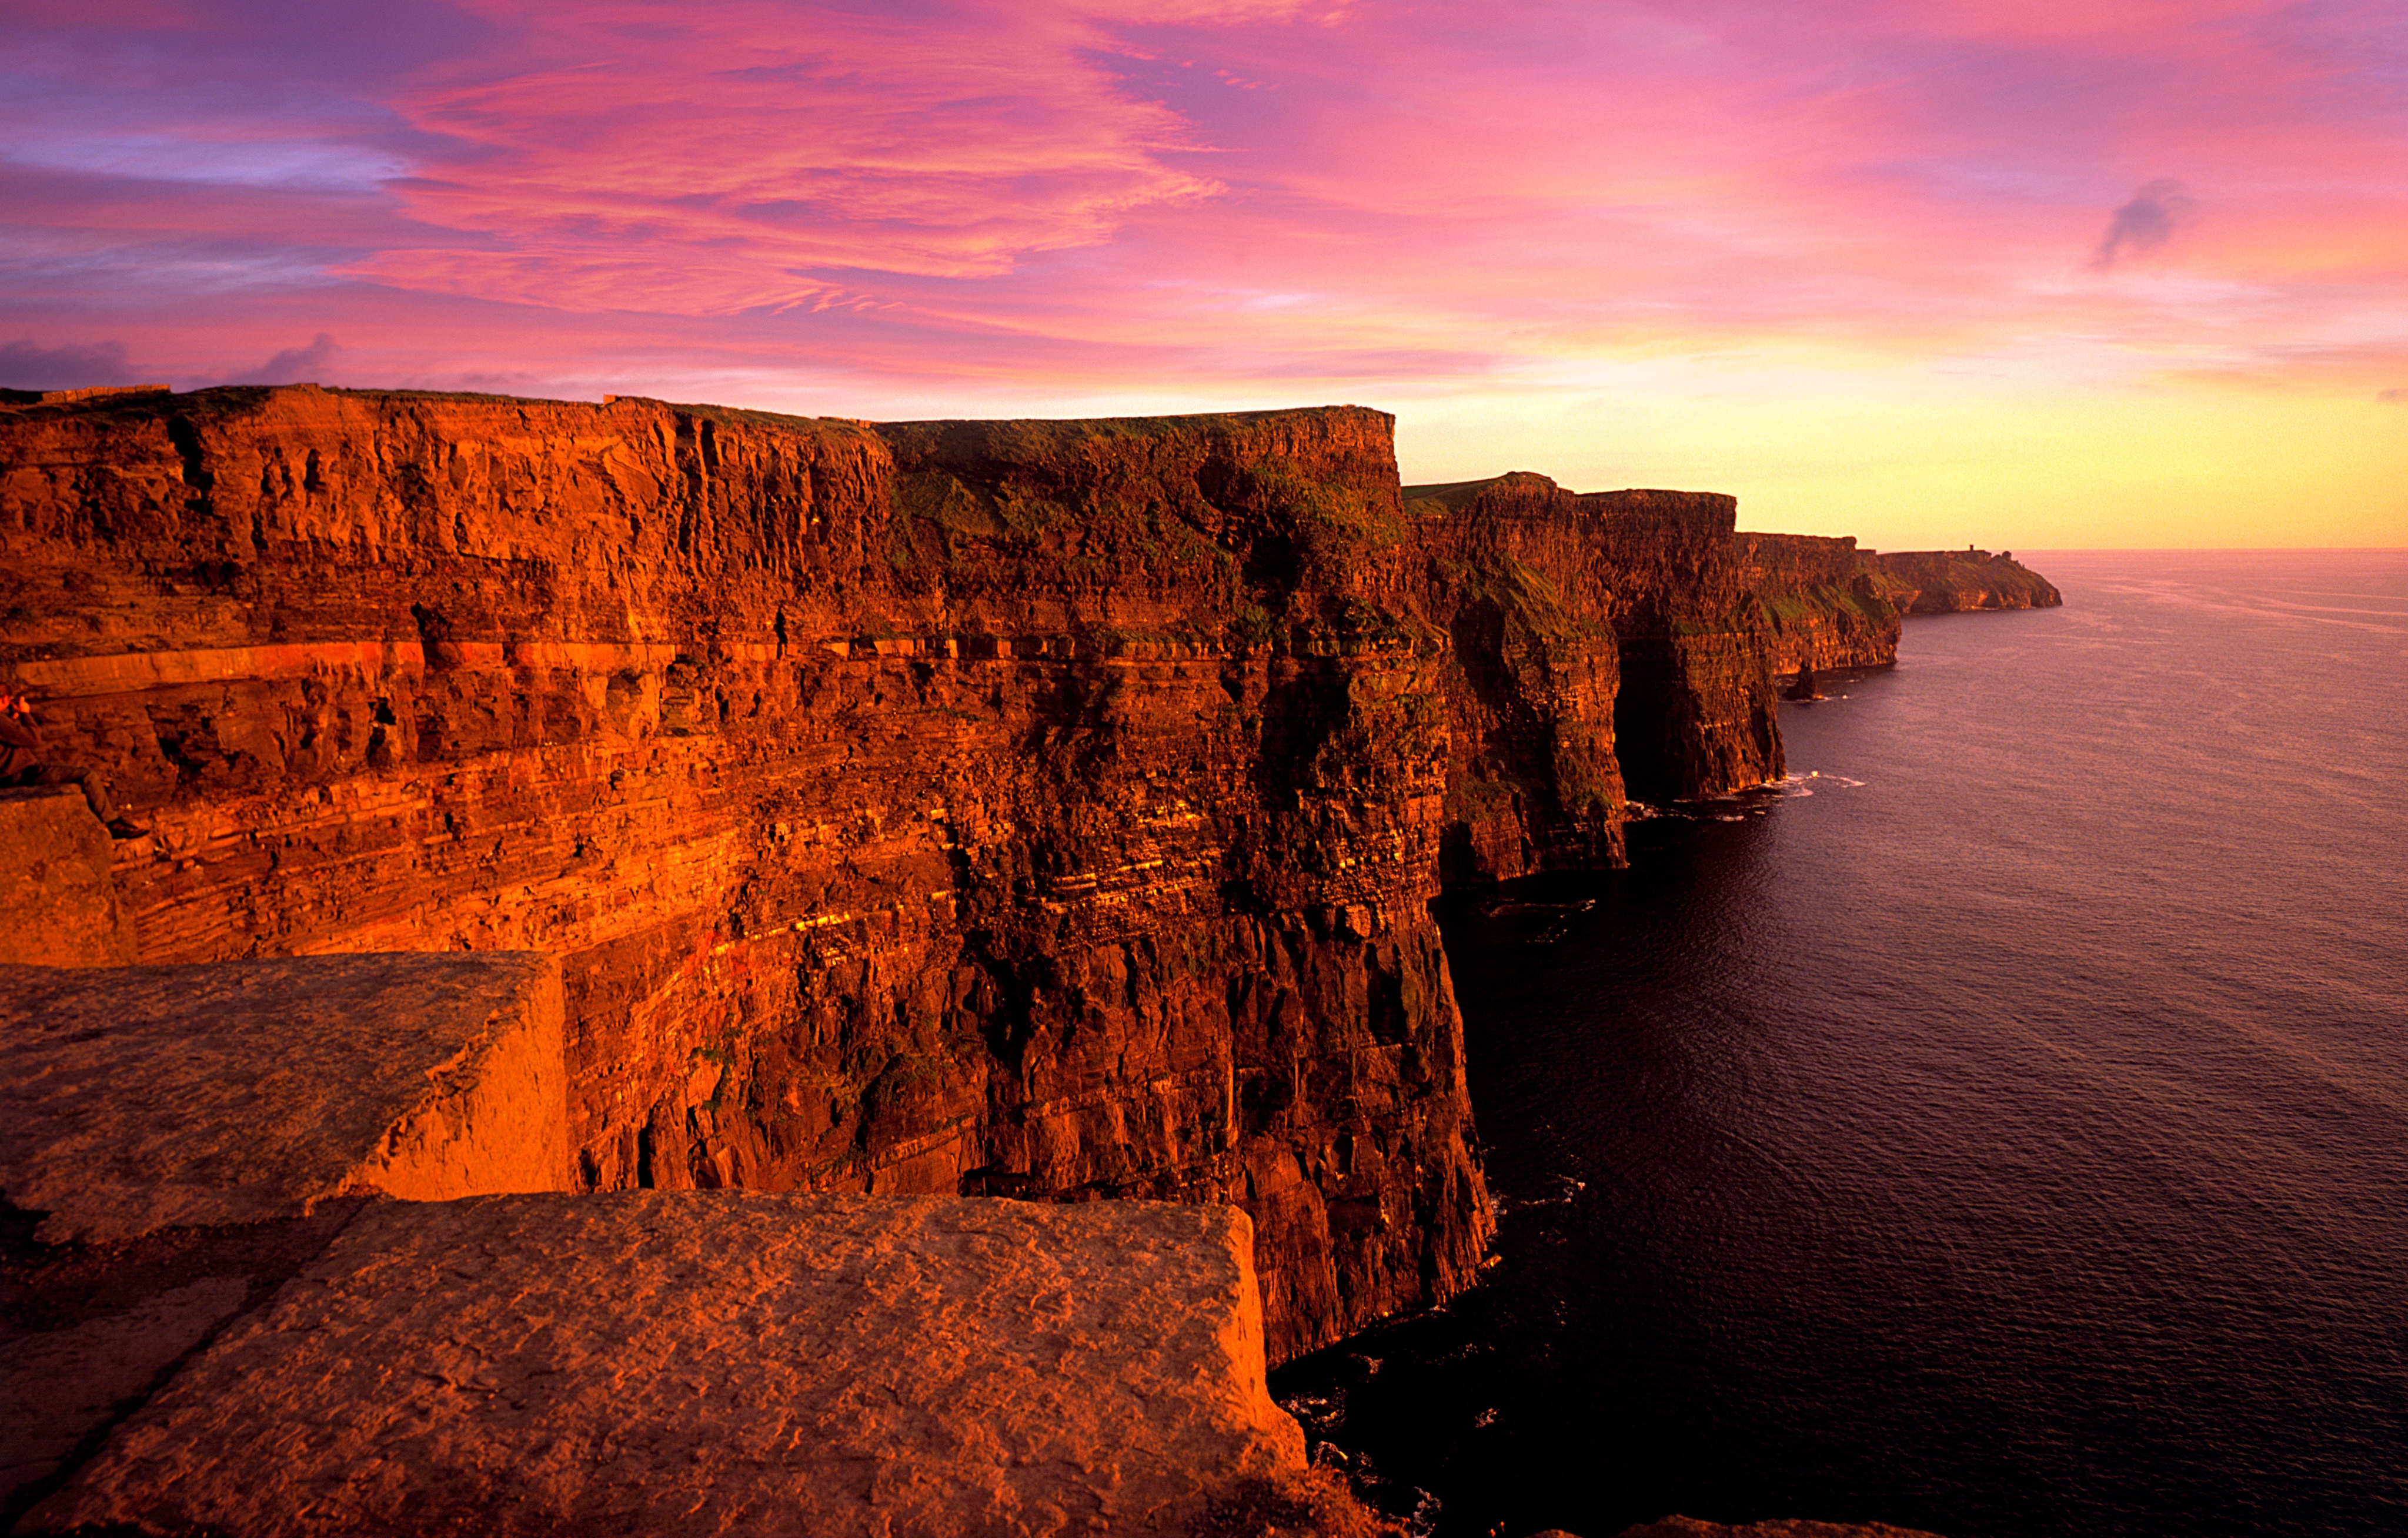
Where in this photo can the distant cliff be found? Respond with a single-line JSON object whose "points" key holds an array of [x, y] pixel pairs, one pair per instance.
{"points": [[1036, 808], [1822, 603], [1954, 581], [1603, 642]]}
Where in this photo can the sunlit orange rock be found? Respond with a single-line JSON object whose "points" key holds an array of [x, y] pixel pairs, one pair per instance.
{"points": [[138, 1099], [58, 906], [649, 1363]]}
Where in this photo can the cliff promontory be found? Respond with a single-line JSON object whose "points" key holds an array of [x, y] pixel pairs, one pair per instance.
{"points": [[1954, 581], [1042, 810], [1822, 602]]}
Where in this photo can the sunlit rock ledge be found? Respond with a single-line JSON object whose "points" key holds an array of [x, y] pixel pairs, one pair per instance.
{"points": [[666, 1362], [227, 1323]]}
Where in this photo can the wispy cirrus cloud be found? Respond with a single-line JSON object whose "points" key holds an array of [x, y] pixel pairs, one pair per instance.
{"points": [[698, 159]]}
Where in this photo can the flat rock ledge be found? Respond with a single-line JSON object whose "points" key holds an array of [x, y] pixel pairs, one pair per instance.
{"points": [[655, 1363], [138, 1099]]}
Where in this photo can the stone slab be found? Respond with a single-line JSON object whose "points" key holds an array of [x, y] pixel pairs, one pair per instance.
{"points": [[134, 1099], [690, 1363], [58, 906], [56, 1386], [88, 1333]]}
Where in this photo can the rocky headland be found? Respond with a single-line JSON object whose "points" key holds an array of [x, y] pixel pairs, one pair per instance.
{"points": [[1829, 605]]}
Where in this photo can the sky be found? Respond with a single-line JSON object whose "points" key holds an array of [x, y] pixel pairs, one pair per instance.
{"points": [[2020, 274]]}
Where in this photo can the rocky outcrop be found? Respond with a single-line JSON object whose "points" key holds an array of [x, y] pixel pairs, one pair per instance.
{"points": [[649, 1363], [57, 905], [1043, 809], [138, 1099], [1956, 581]]}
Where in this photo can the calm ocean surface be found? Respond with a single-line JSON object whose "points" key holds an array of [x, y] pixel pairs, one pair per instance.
{"points": [[2003, 1132]]}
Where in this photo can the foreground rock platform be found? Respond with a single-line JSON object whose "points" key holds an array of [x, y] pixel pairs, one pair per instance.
{"points": [[136, 1099], [651, 1363]]}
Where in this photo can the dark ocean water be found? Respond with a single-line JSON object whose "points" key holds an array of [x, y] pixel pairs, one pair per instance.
{"points": [[2003, 1132]]}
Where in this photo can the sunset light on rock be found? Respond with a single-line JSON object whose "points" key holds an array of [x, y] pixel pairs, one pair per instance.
{"points": [[1211, 768], [2052, 274]]}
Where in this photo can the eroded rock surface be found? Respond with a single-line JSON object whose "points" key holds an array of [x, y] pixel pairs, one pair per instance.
{"points": [[136, 1099], [684, 1363], [58, 906]]}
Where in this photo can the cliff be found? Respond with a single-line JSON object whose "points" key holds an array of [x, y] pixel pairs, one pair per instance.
{"points": [[1603, 644], [1954, 581], [1822, 602], [1044, 809]]}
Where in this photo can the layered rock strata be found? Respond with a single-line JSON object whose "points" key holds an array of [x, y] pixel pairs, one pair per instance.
{"points": [[1033, 809], [683, 1362], [1030, 808]]}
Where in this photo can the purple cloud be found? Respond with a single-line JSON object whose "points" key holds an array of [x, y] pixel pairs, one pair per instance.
{"points": [[2145, 224], [295, 366], [26, 367]]}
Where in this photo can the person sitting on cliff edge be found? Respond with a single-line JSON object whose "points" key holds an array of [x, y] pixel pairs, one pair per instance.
{"points": [[21, 763]]}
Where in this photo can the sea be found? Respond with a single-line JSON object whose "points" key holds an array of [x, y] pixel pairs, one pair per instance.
{"points": [[1997, 1129]]}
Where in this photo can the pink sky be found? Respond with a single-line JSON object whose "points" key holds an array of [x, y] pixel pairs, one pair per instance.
{"points": [[2055, 273]]}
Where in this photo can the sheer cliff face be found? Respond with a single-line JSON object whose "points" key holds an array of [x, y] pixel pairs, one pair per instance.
{"points": [[1602, 640], [1533, 781], [1695, 713], [1041, 809], [1046, 809], [1823, 605]]}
